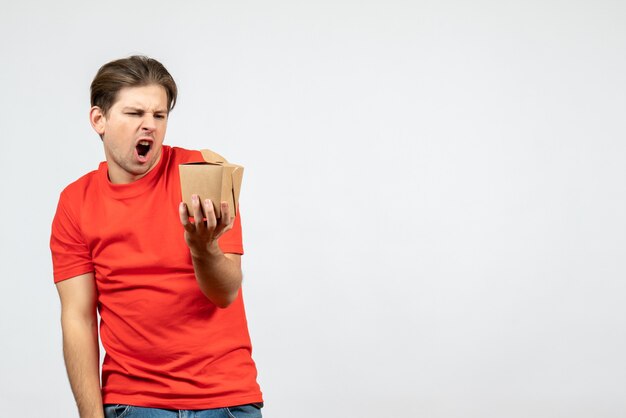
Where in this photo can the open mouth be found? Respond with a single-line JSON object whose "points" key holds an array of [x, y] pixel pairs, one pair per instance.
{"points": [[143, 147]]}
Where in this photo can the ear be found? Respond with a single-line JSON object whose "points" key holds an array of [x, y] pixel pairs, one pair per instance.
{"points": [[97, 119]]}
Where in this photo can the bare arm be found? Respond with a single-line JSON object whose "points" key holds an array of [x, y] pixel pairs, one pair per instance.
{"points": [[219, 275], [80, 342]]}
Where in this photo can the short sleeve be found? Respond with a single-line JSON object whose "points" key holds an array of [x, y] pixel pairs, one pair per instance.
{"points": [[231, 241], [70, 253]]}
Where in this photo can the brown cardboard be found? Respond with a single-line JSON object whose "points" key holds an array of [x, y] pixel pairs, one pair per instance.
{"points": [[214, 179]]}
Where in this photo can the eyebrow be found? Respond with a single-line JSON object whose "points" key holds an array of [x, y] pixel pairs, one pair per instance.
{"points": [[137, 109]]}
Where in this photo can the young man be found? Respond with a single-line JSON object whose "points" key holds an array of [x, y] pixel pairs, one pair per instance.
{"points": [[167, 288]]}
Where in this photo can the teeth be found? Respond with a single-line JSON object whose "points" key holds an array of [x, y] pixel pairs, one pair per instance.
{"points": [[144, 143]]}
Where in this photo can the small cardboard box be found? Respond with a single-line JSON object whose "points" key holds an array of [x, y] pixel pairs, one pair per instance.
{"points": [[214, 179]]}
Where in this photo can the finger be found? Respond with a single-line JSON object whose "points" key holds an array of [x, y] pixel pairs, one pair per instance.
{"points": [[227, 220], [196, 209], [210, 214], [183, 213]]}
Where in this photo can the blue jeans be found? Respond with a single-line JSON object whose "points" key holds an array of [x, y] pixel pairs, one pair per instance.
{"points": [[128, 411]]}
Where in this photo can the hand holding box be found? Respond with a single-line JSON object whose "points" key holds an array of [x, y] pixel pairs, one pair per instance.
{"points": [[214, 179]]}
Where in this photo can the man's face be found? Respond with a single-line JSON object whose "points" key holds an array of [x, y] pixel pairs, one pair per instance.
{"points": [[133, 131]]}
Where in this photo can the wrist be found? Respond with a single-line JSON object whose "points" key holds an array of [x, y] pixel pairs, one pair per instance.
{"points": [[211, 251]]}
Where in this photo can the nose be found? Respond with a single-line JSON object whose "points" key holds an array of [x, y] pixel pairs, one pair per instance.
{"points": [[148, 122]]}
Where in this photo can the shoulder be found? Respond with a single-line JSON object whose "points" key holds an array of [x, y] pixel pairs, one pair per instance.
{"points": [[79, 187], [182, 155], [73, 196]]}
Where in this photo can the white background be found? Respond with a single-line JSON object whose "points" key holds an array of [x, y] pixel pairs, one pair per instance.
{"points": [[433, 203]]}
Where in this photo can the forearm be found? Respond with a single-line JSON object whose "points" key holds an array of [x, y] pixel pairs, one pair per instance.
{"points": [[218, 276], [81, 352]]}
